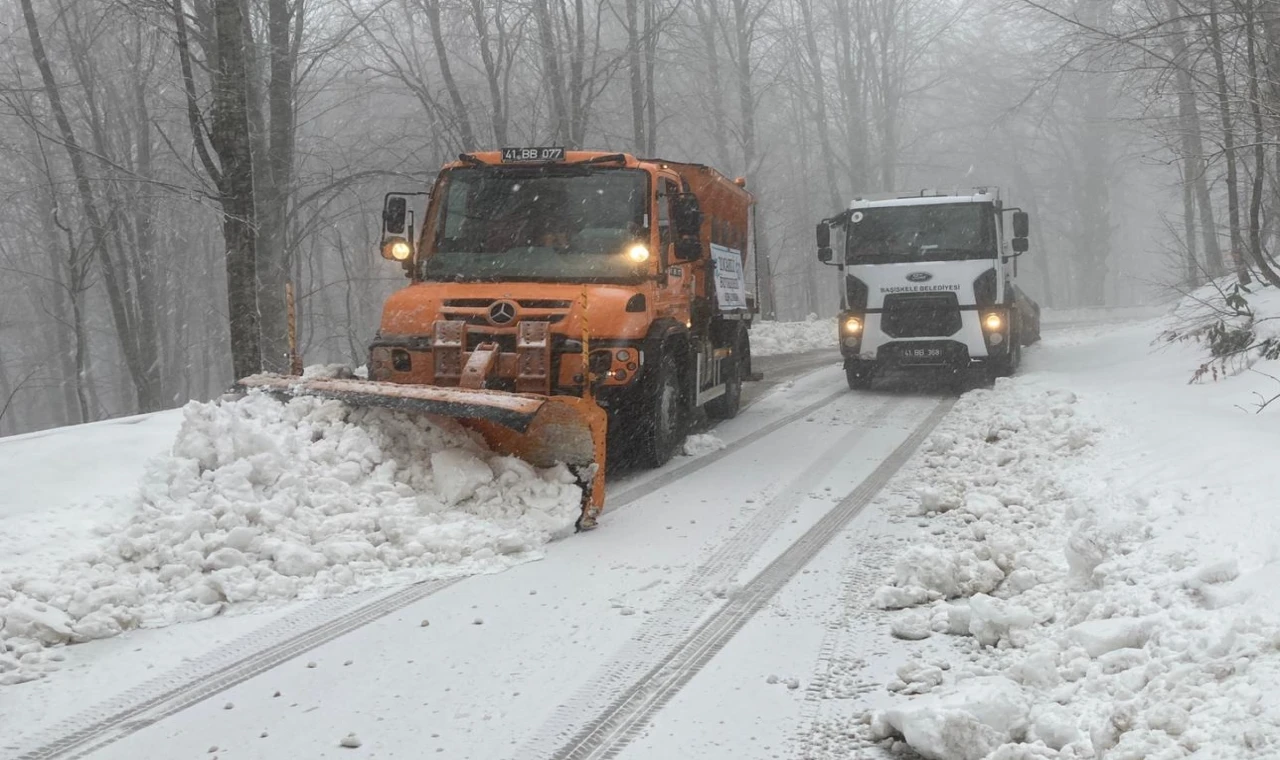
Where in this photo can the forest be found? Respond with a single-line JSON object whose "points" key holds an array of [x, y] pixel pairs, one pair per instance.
{"points": [[176, 173]]}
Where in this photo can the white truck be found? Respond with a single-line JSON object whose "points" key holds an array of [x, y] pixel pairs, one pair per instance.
{"points": [[929, 281]]}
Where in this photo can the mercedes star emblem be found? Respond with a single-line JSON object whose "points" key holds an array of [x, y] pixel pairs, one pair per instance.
{"points": [[502, 313]]}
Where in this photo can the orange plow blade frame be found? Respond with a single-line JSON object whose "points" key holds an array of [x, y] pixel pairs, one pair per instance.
{"points": [[542, 430]]}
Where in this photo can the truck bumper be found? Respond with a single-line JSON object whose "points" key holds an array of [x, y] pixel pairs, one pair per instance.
{"points": [[969, 346]]}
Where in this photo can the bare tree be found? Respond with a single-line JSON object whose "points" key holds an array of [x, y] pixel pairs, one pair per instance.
{"points": [[233, 174]]}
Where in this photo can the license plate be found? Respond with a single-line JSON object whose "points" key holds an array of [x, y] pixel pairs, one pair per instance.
{"points": [[922, 353], [528, 155]]}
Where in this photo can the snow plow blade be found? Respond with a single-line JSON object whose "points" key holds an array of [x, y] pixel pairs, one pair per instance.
{"points": [[541, 430]]}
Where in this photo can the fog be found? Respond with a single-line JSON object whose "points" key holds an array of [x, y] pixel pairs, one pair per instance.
{"points": [[152, 151]]}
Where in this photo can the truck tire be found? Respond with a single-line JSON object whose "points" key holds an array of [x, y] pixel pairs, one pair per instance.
{"points": [[1006, 365], [733, 371], [660, 420], [859, 375], [1031, 333]]}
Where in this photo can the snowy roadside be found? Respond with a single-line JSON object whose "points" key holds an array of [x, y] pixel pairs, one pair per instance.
{"points": [[263, 501], [773, 338], [1103, 557]]}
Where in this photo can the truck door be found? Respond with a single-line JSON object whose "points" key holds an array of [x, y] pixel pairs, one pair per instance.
{"points": [[675, 295], [1007, 265]]}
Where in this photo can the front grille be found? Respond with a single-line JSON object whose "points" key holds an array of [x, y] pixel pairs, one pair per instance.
{"points": [[482, 319], [543, 303], [917, 315], [524, 303]]}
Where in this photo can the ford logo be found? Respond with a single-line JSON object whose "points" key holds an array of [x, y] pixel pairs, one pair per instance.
{"points": [[919, 277]]}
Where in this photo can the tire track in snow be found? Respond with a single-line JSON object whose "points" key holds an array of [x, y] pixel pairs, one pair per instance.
{"points": [[673, 475], [609, 732], [841, 656], [242, 659], [259, 651], [684, 607]]}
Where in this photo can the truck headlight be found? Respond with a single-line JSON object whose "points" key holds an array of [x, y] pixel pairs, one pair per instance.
{"points": [[400, 250], [853, 326], [638, 253], [993, 322]]}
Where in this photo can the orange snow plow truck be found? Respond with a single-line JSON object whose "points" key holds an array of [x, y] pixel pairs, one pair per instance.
{"points": [[574, 307]]}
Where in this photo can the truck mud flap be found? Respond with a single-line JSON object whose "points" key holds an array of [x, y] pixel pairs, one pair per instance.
{"points": [[542, 430]]}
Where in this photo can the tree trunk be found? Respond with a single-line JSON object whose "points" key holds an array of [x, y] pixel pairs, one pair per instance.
{"points": [[1259, 152], [708, 19], [850, 81], [230, 137], [492, 71], [651, 32], [1193, 152], [551, 70], [273, 194], [820, 104], [1229, 147], [888, 97], [461, 116], [577, 73], [638, 141], [744, 23]]}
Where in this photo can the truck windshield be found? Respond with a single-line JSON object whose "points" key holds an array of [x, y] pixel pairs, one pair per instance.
{"points": [[548, 224], [934, 232]]}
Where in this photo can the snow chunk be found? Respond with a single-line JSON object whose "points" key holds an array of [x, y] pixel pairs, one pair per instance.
{"points": [[966, 722], [926, 573], [917, 678], [911, 626], [992, 620], [35, 620], [981, 505], [1098, 637], [701, 443], [458, 474]]}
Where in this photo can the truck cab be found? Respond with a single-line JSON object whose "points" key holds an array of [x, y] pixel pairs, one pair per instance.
{"points": [[929, 281]]}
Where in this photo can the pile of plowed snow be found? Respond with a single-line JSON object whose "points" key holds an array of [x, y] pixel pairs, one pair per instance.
{"points": [[772, 338], [1104, 564], [262, 500]]}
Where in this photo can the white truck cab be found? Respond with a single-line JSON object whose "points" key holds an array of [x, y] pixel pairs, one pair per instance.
{"points": [[929, 281]]}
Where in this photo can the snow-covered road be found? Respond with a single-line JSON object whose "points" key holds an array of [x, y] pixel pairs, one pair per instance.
{"points": [[526, 660], [783, 593]]}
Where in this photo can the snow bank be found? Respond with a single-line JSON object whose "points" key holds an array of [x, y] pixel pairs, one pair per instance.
{"points": [[261, 501], [770, 338], [1107, 565], [1239, 328]]}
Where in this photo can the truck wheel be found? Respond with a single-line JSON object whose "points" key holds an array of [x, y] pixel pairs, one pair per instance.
{"points": [[660, 422], [1031, 334], [726, 407], [1006, 365], [858, 375]]}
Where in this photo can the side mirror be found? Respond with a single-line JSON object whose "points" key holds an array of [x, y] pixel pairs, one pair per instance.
{"points": [[688, 248], [1019, 245], [825, 254], [824, 237], [394, 211], [686, 215], [1021, 224]]}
